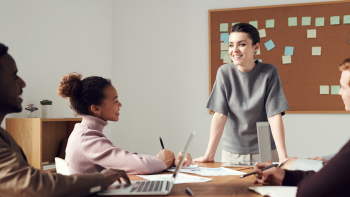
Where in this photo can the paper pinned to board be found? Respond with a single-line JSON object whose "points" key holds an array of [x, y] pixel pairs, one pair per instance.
{"points": [[306, 21], [292, 21], [223, 26], [335, 20], [270, 23], [319, 22], [276, 191], [311, 33], [254, 23], [262, 33]]}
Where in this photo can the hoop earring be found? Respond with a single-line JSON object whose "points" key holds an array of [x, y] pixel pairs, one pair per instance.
{"points": [[99, 113]]}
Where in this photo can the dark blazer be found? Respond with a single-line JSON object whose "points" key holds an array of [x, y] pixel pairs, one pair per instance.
{"points": [[18, 178], [331, 180]]}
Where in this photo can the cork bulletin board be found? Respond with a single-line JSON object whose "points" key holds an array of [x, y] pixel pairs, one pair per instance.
{"points": [[310, 81]]}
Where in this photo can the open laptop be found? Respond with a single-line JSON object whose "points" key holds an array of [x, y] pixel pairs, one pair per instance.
{"points": [[264, 140], [159, 187]]}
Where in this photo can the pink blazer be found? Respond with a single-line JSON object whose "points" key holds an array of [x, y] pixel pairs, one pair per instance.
{"points": [[88, 150]]}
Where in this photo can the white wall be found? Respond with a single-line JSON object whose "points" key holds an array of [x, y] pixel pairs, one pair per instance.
{"points": [[153, 43], [49, 39], [143, 46]]}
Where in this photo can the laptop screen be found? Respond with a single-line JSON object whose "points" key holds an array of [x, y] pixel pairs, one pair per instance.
{"points": [[182, 158]]}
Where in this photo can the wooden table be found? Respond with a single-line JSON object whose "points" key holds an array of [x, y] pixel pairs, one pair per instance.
{"points": [[219, 186]]}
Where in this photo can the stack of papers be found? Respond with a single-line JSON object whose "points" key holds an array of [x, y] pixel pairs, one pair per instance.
{"points": [[180, 178], [276, 191], [210, 171]]}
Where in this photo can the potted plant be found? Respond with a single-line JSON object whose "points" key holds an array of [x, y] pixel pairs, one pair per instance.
{"points": [[31, 111], [46, 108]]}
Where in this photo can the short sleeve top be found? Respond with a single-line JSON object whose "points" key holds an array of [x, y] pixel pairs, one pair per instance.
{"points": [[246, 98]]}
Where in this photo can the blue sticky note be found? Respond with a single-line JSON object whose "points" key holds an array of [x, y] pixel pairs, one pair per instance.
{"points": [[260, 60], [269, 45], [288, 50], [224, 37], [335, 89]]}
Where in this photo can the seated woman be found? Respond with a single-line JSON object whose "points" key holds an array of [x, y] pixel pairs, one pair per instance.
{"points": [[88, 150]]}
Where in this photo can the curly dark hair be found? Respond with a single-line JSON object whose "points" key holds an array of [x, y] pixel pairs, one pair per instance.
{"points": [[3, 51], [83, 93]]}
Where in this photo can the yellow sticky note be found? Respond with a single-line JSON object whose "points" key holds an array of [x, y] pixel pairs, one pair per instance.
{"points": [[224, 46], [324, 89], [316, 50], [286, 59], [311, 33], [262, 33], [257, 52], [227, 59]]}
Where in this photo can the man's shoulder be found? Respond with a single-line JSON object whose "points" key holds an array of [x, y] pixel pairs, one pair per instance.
{"points": [[4, 135]]}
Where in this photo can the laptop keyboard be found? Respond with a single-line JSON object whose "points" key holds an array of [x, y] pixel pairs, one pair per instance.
{"points": [[147, 186]]}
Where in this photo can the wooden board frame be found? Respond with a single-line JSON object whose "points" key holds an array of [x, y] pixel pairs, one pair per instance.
{"points": [[339, 106]]}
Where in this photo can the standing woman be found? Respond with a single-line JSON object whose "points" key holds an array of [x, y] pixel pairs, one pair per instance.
{"points": [[245, 92]]}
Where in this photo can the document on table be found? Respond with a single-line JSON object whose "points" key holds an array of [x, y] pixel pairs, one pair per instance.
{"points": [[276, 191], [187, 169], [181, 178], [211, 171]]}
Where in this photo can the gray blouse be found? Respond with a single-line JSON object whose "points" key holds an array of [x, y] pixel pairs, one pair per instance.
{"points": [[246, 98]]}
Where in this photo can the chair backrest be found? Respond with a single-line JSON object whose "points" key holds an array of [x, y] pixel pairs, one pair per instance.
{"points": [[61, 166]]}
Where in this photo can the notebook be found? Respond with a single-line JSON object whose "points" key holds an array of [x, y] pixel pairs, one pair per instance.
{"points": [[157, 187]]}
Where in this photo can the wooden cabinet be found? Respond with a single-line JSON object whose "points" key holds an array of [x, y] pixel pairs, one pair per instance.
{"points": [[41, 139]]}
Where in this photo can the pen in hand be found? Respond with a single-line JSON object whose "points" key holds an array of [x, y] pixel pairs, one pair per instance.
{"points": [[161, 142], [273, 165]]}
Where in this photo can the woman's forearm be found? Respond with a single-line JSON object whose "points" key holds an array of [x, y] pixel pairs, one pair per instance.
{"points": [[216, 128], [277, 129]]}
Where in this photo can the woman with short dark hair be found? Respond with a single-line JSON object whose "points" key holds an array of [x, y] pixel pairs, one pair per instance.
{"points": [[245, 92]]}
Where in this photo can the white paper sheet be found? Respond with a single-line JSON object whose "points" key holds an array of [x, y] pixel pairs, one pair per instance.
{"points": [[181, 178], [211, 171], [276, 191]]}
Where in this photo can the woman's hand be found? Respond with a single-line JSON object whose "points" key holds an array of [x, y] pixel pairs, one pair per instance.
{"points": [[318, 159], [187, 162], [113, 175], [272, 176], [287, 165], [203, 159], [167, 156], [283, 159]]}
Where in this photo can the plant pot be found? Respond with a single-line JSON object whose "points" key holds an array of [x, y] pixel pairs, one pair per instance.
{"points": [[46, 111], [31, 114]]}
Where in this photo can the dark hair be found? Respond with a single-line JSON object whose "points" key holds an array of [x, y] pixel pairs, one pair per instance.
{"points": [[83, 93], [3, 51], [249, 29]]}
